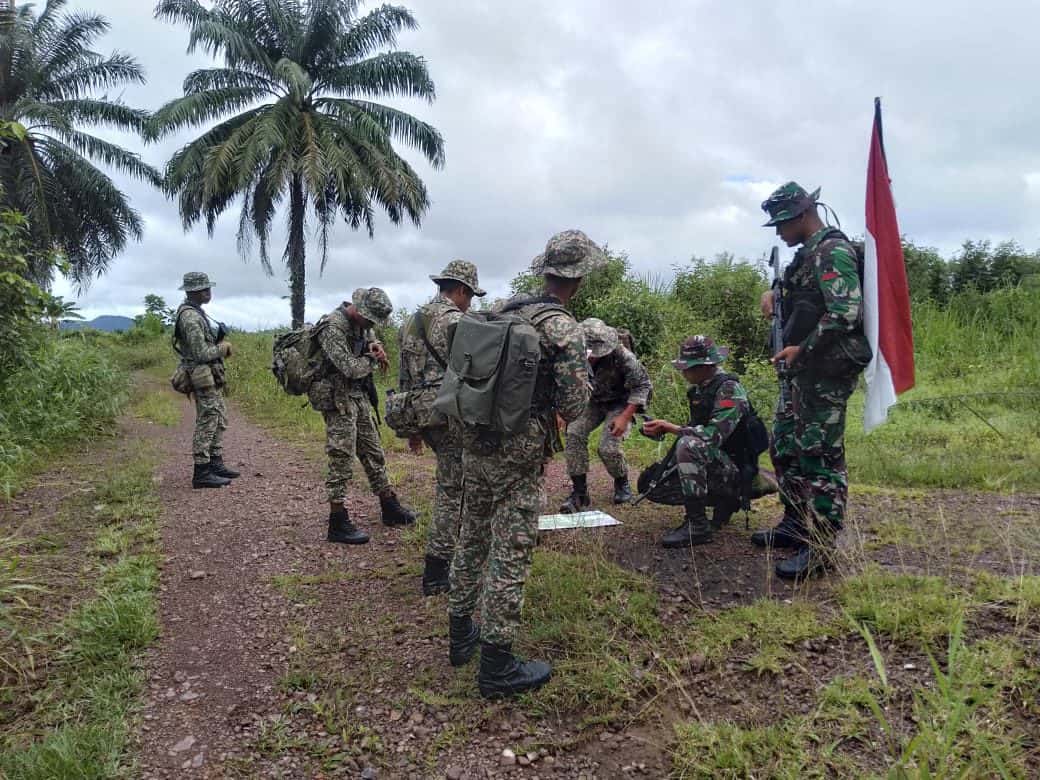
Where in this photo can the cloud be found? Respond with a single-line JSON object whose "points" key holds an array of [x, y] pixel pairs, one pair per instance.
{"points": [[656, 129]]}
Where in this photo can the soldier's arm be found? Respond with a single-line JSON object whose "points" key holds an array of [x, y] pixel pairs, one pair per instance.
{"points": [[336, 347], [570, 366], [839, 282], [637, 381], [193, 335], [404, 374], [731, 405]]}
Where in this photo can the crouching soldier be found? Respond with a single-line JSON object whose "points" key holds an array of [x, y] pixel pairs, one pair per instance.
{"points": [[711, 445], [620, 388], [351, 355]]}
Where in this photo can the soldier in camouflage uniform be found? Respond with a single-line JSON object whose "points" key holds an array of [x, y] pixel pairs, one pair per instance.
{"points": [[705, 454], [424, 357], [620, 388], [195, 340], [352, 354], [500, 516], [825, 351]]}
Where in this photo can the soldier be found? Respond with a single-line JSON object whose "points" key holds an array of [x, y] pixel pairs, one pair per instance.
{"points": [[500, 516], [825, 351], [620, 388], [352, 354], [707, 456], [202, 353], [424, 357]]}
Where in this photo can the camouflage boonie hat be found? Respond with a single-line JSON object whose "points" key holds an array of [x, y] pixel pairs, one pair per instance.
{"points": [[787, 202], [372, 304], [600, 338], [195, 281], [461, 271], [699, 351], [570, 254]]}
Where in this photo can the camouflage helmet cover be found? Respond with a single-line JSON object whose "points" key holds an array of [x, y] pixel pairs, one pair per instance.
{"points": [[570, 254], [373, 304], [788, 201], [461, 271], [699, 351], [195, 281], [600, 338]]}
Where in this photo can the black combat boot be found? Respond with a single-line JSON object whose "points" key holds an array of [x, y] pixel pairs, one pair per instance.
{"points": [[463, 636], [695, 528], [435, 576], [789, 532], [578, 500], [810, 560], [724, 510], [393, 512], [216, 466], [503, 674], [342, 530], [204, 477], [622, 490]]}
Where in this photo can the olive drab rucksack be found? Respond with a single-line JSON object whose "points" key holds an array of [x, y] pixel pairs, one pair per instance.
{"points": [[297, 359], [489, 383]]}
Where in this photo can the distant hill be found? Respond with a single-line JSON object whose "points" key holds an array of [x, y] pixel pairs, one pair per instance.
{"points": [[107, 322]]}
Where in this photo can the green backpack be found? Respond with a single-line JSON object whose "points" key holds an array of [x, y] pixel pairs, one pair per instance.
{"points": [[297, 359], [489, 383]]}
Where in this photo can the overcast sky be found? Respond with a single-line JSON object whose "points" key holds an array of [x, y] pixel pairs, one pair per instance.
{"points": [[657, 128]]}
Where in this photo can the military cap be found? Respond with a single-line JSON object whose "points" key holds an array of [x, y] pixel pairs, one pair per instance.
{"points": [[787, 202], [461, 271], [373, 304], [699, 351], [570, 254], [195, 281], [600, 338]]}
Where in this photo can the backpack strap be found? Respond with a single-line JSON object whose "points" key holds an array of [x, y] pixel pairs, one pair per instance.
{"points": [[420, 325]]}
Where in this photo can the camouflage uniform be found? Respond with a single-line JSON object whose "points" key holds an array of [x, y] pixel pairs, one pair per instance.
{"points": [[195, 340], [420, 370], [503, 488], [704, 466], [618, 379], [350, 425]]}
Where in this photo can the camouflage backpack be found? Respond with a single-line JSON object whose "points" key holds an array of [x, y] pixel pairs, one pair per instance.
{"points": [[297, 359]]}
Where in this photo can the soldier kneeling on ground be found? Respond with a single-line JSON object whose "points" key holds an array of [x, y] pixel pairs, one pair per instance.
{"points": [[717, 452], [620, 388]]}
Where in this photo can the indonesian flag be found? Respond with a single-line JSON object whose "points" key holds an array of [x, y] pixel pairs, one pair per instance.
{"points": [[886, 296]]}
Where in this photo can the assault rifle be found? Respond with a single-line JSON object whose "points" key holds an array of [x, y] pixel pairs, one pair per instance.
{"points": [[776, 332]]}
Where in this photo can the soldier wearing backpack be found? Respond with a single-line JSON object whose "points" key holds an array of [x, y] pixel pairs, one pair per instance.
{"points": [[542, 350], [620, 388], [351, 354], [825, 351], [424, 357], [716, 454]]}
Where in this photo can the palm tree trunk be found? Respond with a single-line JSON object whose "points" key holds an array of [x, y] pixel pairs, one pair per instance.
{"points": [[295, 256]]}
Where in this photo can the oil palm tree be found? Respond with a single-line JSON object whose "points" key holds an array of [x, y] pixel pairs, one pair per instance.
{"points": [[296, 121], [50, 80]]}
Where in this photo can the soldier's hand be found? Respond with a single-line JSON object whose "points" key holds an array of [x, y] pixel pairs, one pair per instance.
{"points": [[766, 304], [561, 424], [659, 427], [225, 348], [788, 354], [415, 444], [619, 426]]}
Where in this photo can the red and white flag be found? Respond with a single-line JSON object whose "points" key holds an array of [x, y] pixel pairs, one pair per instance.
{"points": [[886, 295]]}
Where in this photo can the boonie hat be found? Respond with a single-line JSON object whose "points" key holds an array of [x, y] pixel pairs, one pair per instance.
{"points": [[699, 351], [195, 281], [373, 304], [461, 271]]}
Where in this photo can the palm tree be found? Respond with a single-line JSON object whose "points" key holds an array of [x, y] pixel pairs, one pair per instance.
{"points": [[297, 79], [49, 80]]}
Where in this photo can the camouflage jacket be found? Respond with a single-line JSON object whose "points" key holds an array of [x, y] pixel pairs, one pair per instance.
{"points": [[419, 368], [194, 337], [824, 271], [729, 407], [619, 379], [346, 365]]}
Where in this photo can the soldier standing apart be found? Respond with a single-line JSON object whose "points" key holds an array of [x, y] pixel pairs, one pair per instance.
{"points": [[352, 354], [824, 352], [620, 388], [195, 340], [500, 516], [424, 357], [708, 451]]}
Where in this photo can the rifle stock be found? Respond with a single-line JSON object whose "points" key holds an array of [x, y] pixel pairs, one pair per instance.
{"points": [[776, 332]]}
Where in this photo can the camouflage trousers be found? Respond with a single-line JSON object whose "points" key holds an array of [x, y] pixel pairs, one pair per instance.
{"points": [[783, 452], [498, 533], [609, 449], [815, 476], [352, 431], [446, 442], [704, 469], [210, 424]]}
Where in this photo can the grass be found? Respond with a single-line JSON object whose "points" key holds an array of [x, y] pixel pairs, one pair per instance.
{"points": [[766, 626]]}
